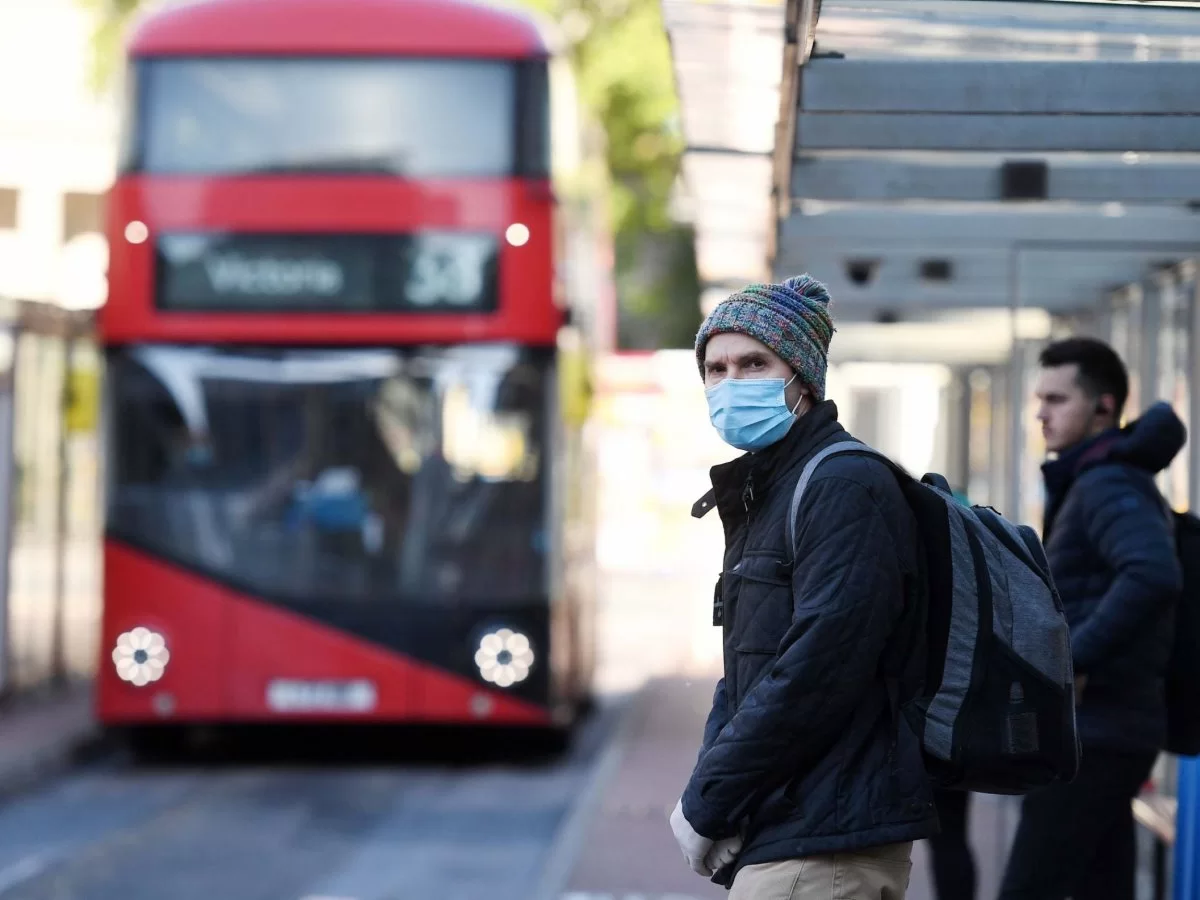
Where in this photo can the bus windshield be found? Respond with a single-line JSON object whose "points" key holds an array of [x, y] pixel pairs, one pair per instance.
{"points": [[415, 118], [318, 478]]}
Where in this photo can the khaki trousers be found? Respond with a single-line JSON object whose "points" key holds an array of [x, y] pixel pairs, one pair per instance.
{"points": [[877, 873]]}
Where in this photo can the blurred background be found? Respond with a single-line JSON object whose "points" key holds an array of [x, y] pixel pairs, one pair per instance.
{"points": [[346, 378]]}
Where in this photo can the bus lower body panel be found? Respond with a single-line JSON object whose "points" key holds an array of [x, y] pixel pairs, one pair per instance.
{"points": [[180, 647]]}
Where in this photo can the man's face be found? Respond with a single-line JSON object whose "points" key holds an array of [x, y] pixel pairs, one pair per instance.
{"points": [[1067, 412], [741, 356]]}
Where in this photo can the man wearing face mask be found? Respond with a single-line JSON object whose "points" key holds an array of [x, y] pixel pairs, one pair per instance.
{"points": [[809, 781]]}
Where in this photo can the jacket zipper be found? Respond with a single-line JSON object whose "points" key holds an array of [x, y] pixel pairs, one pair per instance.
{"points": [[730, 609]]}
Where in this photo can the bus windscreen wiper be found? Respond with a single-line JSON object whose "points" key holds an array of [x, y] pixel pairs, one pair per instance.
{"points": [[373, 165]]}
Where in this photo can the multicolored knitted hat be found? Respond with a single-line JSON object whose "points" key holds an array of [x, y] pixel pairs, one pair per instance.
{"points": [[791, 318]]}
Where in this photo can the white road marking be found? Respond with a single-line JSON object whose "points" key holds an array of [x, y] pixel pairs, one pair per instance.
{"points": [[23, 870], [563, 853]]}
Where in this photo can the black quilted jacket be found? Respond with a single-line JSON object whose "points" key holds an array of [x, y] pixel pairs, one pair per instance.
{"points": [[1111, 550], [802, 746]]}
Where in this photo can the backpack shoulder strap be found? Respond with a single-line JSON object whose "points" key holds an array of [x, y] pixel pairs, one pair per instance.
{"points": [[898, 652], [806, 476]]}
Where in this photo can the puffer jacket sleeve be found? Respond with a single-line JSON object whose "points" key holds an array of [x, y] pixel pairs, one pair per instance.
{"points": [[1129, 528], [847, 594], [718, 718]]}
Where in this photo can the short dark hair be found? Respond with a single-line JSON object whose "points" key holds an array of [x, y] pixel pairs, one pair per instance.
{"points": [[1101, 370]]}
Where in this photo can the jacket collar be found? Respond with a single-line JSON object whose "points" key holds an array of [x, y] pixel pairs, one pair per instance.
{"points": [[1060, 473], [752, 475], [1149, 443]]}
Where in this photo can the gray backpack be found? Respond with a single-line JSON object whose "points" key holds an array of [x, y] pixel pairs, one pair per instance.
{"points": [[980, 664]]}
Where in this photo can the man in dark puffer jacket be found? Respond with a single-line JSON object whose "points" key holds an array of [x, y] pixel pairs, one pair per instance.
{"points": [[808, 776], [1111, 548]]}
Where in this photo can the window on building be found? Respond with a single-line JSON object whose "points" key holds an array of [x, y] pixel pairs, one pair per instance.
{"points": [[82, 214], [8, 208]]}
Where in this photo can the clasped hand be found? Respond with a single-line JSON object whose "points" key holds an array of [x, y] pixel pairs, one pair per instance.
{"points": [[704, 855]]}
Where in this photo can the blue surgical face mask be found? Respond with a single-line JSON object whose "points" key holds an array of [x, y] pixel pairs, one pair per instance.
{"points": [[751, 413]]}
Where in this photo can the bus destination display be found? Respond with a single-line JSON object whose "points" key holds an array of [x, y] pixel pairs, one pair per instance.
{"points": [[424, 272]]}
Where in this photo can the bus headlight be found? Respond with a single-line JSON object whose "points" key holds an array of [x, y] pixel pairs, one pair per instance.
{"points": [[517, 234], [140, 656], [504, 657], [136, 232]]}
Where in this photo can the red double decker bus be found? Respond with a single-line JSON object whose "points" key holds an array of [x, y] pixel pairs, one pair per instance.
{"points": [[341, 479]]}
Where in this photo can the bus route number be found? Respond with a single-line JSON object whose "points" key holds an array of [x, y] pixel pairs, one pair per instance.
{"points": [[448, 274]]}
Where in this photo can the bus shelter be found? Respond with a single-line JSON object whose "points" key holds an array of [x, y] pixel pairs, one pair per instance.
{"points": [[970, 178]]}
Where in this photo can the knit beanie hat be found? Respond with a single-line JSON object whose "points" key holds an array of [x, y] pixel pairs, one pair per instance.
{"points": [[791, 318]]}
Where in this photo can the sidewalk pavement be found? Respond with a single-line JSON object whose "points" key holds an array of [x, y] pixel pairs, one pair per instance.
{"points": [[42, 734], [622, 847], [626, 848]]}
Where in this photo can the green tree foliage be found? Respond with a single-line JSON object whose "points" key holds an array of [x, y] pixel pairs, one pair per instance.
{"points": [[112, 19], [623, 66], [659, 288], [622, 61]]}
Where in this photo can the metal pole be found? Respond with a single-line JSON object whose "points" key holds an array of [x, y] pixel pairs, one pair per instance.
{"points": [[9, 335], [1165, 365], [980, 448], [1187, 832], [1187, 818], [1016, 395], [960, 457], [1168, 324], [998, 455], [1134, 350], [1148, 357], [1191, 315], [1101, 322], [58, 663], [1016, 434]]}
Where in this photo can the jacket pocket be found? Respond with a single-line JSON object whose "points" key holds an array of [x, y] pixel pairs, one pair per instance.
{"points": [[781, 805], [750, 666], [764, 603], [902, 791]]}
